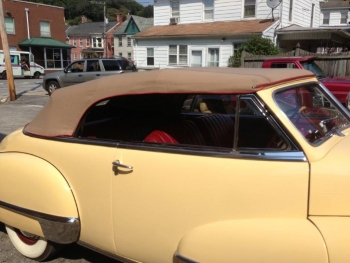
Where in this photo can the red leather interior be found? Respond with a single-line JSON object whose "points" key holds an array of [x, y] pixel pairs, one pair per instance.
{"points": [[160, 137]]}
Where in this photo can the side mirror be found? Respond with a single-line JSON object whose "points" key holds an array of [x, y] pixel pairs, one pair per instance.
{"points": [[65, 70]]}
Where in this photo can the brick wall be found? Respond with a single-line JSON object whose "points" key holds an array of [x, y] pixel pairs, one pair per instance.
{"points": [[37, 12]]}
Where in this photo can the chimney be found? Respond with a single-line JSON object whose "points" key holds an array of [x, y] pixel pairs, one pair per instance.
{"points": [[83, 19], [119, 18]]}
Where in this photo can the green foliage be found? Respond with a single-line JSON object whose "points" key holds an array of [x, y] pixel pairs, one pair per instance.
{"points": [[93, 9], [256, 45]]}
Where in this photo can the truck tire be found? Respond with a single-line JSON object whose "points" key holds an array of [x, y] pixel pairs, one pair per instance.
{"points": [[52, 85]]}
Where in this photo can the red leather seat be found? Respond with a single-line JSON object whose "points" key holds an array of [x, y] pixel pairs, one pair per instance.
{"points": [[160, 137]]}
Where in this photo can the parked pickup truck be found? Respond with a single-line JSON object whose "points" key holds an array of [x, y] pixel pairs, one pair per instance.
{"points": [[339, 86]]}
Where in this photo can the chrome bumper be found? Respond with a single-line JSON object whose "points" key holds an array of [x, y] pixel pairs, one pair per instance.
{"points": [[62, 230]]}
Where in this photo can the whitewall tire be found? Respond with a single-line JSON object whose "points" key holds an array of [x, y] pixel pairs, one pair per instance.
{"points": [[29, 245]]}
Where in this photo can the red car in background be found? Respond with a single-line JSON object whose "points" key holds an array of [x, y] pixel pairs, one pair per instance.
{"points": [[339, 86]]}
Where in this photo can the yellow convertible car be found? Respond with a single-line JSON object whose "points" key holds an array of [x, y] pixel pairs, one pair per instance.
{"points": [[215, 165]]}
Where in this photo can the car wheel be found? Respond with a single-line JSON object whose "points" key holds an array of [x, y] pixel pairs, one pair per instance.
{"points": [[4, 75], [31, 246], [52, 86], [36, 75]]}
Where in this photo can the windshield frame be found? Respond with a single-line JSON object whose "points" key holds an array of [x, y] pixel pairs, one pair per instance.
{"points": [[314, 68], [331, 104]]}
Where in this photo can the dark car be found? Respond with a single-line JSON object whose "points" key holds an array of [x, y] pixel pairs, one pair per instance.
{"points": [[85, 70]]}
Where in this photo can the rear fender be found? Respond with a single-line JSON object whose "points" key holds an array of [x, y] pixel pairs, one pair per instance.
{"points": [[265, 240], [34, 191]]}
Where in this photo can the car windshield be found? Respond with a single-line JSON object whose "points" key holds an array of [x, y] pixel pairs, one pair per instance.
{"points": [[314, 68], [313, 112]]}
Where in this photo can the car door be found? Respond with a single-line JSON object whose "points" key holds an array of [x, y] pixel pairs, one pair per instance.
{"points": [[93, 69], [74, 73], [161, 192], [111, 67]]}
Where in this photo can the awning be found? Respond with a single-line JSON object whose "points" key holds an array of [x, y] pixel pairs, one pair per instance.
{"points": [[91, 50], [44, 42]]}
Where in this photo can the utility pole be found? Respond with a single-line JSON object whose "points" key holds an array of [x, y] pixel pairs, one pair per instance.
{"points": [[5, 46], [104, 31]]}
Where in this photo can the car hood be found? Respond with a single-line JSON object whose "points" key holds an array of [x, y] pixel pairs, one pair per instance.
{"points": [[336, 80]]}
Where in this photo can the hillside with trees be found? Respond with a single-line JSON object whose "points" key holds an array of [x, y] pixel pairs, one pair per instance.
{"points": [[93, 10]]}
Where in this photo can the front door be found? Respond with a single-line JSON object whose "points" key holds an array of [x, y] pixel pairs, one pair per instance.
{"points": [[74, 73], [196, 58], [169, 190]]}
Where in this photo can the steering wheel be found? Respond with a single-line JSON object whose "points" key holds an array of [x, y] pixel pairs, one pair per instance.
{"points": [[297, 114]]}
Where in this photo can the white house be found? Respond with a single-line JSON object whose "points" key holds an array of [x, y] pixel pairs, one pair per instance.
{"points": [[200, 33], [335, 13]]}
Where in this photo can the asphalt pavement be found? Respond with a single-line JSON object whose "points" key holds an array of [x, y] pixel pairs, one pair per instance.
{"points": [[31, 98]]}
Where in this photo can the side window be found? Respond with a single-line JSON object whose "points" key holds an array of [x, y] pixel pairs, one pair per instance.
{"points": [[77, 66], [93, 65], [207, 122], [283, 65], [111, 65]]}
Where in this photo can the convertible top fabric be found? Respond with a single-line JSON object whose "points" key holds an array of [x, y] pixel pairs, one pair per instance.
{"points": [[62, 114]]}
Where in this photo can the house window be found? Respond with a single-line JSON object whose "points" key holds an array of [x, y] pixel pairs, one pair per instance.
{"points": [[120, 41], [213, 57], [208, 9], [75, 56], [96, 42], [325, 19], [129, 41], [129, 55], [175, 9], [74, 41], [178, 54], [81, 41], [312, 15], [10, 25], [87, 41], [236, 47], [249, 8], [120, 54], [150, 56], [343, 18], [45, 29], [290, 10]]}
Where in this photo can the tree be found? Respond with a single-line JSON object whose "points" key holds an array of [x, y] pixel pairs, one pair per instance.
{"points": [[256, 45]]}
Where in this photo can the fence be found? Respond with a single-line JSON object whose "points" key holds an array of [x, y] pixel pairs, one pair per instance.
{"points": [[333, 64]]}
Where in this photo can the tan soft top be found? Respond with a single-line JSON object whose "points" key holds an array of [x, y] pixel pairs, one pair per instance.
{"points": [[62, 113]]}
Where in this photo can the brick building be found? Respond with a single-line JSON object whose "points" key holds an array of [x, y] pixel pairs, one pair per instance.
{"points": [[37, 28], [89, 39]]}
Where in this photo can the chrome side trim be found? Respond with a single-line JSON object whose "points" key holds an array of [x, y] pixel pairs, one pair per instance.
{"points": [[184, 259], [62, 230]]}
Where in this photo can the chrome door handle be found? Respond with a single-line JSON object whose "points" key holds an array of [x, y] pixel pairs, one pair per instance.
{"points": [[118, 164]]}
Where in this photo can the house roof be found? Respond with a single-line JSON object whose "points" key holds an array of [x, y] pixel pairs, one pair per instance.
{"points": [[44, 42], [335, 4], [89, 28], [63, 112], [141, 22], [226, 28]]}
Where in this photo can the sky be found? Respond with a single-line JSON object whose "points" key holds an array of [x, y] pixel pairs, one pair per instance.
{"points": [[145, 2]]}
